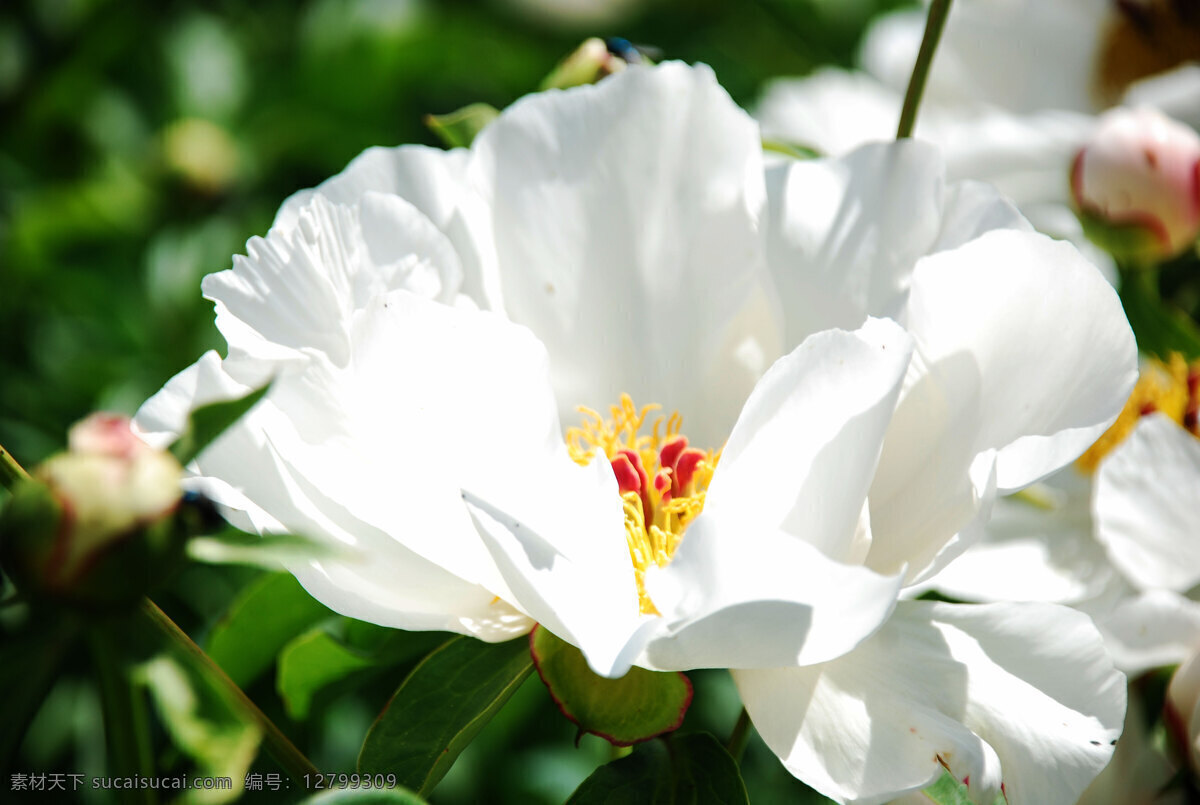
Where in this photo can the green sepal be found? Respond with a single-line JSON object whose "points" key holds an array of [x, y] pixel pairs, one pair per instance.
{"points": [[440, 707], [950, 791], [262, 620], [637, 707], [1127, 243], [208, 422], [677, 770], [458, 129]]}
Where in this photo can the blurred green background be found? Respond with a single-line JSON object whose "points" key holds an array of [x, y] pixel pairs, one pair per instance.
{"points": [[142, 143]]}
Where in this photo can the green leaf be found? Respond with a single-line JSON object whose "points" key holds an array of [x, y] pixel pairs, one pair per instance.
{"points": [[259, 623], [677, 770], [366, 796], [208, 422], [316, 660], [458, 129], [950, 791], [268, 551], [637, 707], [440, 707], [1160, 329], [31, 655], [204, 722], [789, 149]]}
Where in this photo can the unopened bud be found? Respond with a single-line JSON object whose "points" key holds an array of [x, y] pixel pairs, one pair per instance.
{"points": [[593, 60], [1136, 185], [91, 525]]}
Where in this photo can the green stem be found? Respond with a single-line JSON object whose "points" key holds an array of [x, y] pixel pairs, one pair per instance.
{"points": [[938, 11], [278, 746], [126, 731], [739, 737], [10, 470]]}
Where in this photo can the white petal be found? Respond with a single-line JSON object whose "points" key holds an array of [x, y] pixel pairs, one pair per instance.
{"points": [[1021, 55], [772, 601], [626, 217], [1019, 693], [163, 417], [803, 452], [298, 289], [831, 111], [843, 234], [434, 182], [1138, 771], [1147, 505], [984, 379], [1037, 546], [1151, 630], [1176, 93]]}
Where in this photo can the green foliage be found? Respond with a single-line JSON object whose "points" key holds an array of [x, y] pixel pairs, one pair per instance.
{"points": [[637, 707], [230, 546], [677, 770], [208, 422], [366, 796], [1159, 327], [204, 723], [341, 653], [440, 707], [260, 622]]}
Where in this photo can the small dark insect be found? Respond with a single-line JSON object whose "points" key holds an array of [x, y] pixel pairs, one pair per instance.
{"points": [[622, 48]]}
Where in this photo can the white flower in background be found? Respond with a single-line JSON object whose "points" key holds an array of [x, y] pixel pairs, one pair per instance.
{"points": [[1119, 521], [431, 318], [1008, 100], [1025, 55]]}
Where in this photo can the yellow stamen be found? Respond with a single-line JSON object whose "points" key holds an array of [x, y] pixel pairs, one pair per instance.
{"points": [[655, 518], [1162, 388]]}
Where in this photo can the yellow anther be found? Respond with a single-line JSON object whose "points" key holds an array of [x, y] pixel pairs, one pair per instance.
{"points": [[655, 518]]}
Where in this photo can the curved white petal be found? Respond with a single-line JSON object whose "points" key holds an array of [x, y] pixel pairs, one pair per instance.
{"points": [[625, 216], [1139, 770], [803, 452], [1151, 630], [1176, 93], [1037, 546], [1016, 693], [843, 234], [1147, 505], [752, 584], [983, 379], [298, 288], [435, 183]]}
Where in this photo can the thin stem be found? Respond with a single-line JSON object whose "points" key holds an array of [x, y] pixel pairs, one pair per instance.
{"points": [[126, 731], [938, 11], [739, 737], [10, 470], [278, 746]]}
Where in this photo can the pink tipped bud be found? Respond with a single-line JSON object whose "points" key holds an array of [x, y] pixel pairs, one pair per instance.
{"points": [[1136, 184]]}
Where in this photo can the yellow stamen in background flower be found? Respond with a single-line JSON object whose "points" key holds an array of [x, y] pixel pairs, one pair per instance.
{"points": [[662, 480], [1168, 388]]}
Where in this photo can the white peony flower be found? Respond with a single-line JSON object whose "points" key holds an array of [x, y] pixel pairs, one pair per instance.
{"points": [[871, 360], [1011, 98]]}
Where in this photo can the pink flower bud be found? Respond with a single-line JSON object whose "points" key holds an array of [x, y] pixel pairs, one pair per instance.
{"points": [[1140, 173], [79, 529]]}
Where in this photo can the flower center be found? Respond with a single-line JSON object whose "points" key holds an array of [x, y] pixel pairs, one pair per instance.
{"points": [[1171, 388], [662, 480], [1144, 38]]}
